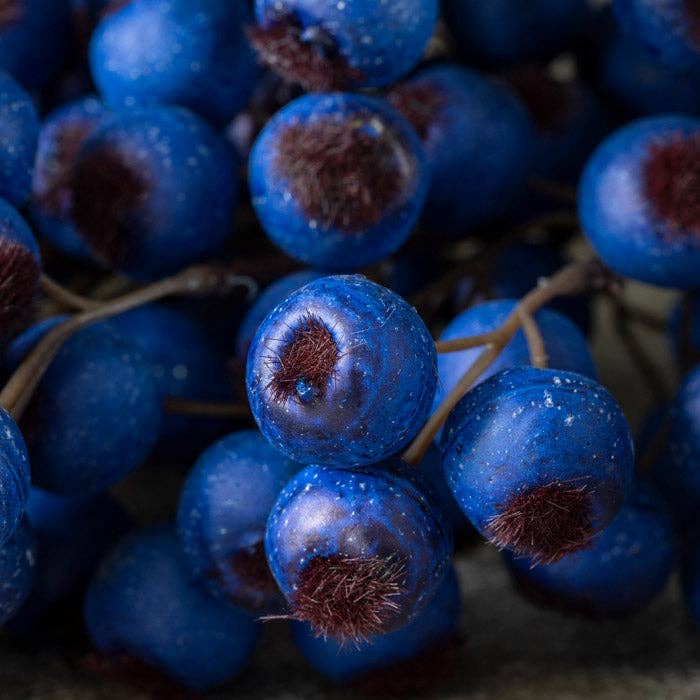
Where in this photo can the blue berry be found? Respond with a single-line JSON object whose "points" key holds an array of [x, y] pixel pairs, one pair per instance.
{"points": [[191, 53], [329, 45], [343, 663], [626, 566], [95, 415], [357, 552], [62, 135], [639, 201], [466, 118], [222, 515], [17, 570], [539, 460], [153, 190], [341, 373], [142, 602], [14, 476], [338, 181]]}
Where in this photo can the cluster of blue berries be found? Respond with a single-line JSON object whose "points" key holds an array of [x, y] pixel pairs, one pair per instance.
{"points": [[458, 182]]}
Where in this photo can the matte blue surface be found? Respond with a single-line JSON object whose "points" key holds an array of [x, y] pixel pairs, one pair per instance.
{"points": [[343, 663], [617, 219], [19, 132], [14, 476], [498, 32], [188, 212], [527, 427], [95, 415], [17, 570], [384, 40], [383, 385], [142, 602], [192, 53], [223, 512], [386, 510], [628, 564], [479, 148], [312, 242]]}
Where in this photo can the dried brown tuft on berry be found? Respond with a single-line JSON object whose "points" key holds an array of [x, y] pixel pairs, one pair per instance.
{"points": [[316, 66], [309, 355], [11, 11], [108, 196], [19, 284], [544, 523], [419, 102], [349, 599], [345, 173], [672, 181]]}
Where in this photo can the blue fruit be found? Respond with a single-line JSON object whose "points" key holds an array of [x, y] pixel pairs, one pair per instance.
{"points": [[14, 476], [267, 300], [539, 460], [343, 663], [479, 143], [153, 190], [224, 507], [498, 32], [341, 373], [191, 53], [357, 552], [626, 566], [338, 181], [329, 45], [95, 415], [17, 570], [639, 201], [142, 602], [62, 135]]}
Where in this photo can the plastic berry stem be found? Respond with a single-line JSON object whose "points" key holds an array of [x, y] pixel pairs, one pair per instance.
{"points": [[575, 278], [196, 280], [213, 409], [535, 341], [65, 297]]}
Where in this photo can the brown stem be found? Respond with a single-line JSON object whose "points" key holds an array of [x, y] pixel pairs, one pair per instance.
{"points": [[557, 190], [65, 297], [210, 409], [574, 278], [535, 341], [196, 280]]}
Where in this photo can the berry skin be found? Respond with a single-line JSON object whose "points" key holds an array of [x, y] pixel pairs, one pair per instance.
{"points": [[266, 301], [626, 566], [153, 190], [500, 32], [223, 512], [336, 533], [344, 663], [338, 181], [17, 570], [143, 603], [328, 45], [191, 53], [14, 476], [341, 373], [670, 28], [95, 415], [479, 143], [539, 460], [62, 134], [639, 201]]}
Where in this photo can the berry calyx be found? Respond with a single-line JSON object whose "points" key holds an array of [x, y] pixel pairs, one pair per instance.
{"points": [[11, 11], [19, 283], [251, 567], [692, 12], [419, 102]]}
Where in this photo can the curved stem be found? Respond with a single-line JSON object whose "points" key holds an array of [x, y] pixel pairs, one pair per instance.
{"points": [[210, 409], [535, 341], [65, 297]]}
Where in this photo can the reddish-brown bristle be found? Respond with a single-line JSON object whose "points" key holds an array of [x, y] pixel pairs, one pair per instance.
{"points": [[316, 68], [544, 523], [19, 284], [11, 11], [309, 355], [419, 102], [108, 194], [345, 173], [672, 181], [349, 599]]}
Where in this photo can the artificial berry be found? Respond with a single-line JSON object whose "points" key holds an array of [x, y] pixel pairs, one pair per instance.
{"points": [[14, 476], [17, 570]]}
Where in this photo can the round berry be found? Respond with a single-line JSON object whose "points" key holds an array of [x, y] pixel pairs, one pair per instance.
{"points": [[338, 181], [14, 476], [341, 373], [17, 570], [539, 460]]}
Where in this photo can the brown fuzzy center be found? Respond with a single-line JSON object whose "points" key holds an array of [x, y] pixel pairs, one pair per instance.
{"points": [[108, 196], [672, 181], [419, 102], [349, 599], [19, 283], [544, 523], [345, 173], [307, 361], [314, 64], [11, 11]]}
